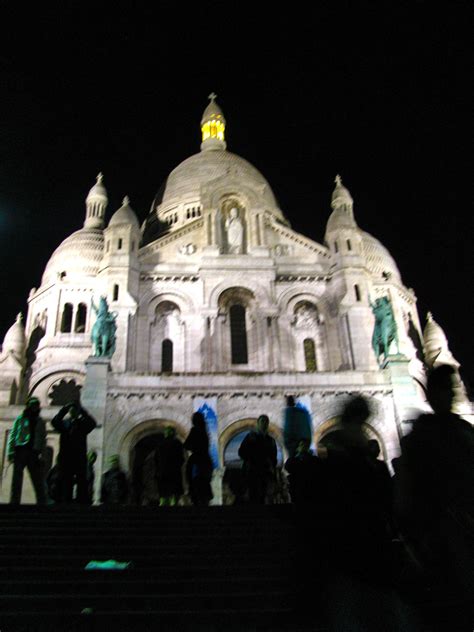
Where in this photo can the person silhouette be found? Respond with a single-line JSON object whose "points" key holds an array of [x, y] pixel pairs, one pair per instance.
{"points": [[434, 489]]}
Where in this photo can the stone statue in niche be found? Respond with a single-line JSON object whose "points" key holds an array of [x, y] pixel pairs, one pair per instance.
{"points": [[306, 315], [234, 232]]}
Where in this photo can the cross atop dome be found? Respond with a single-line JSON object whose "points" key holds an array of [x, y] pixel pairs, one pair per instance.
{"points": [[213, 126], [338, 180]]}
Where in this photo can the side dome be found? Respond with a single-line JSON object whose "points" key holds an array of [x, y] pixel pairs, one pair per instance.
{"points": [[125, 215], [377, 257], [78, 255], [185, 181]]}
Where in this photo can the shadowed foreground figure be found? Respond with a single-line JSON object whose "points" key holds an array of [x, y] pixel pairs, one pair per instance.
{"points": [[114, 490], [306, 475], [434, 493], [199, 466], [169, 459], [258, 451], [26, 447]]}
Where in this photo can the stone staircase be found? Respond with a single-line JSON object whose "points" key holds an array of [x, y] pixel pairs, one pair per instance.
{"points": [[216, 568], [213, 569]]}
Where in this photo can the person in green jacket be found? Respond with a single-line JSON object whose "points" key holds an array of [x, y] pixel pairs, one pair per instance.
{"points": [[26, 446]]}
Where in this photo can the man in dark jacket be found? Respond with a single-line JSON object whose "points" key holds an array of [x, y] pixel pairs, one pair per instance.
{"points": [[74, 424], [26, 447], [259, 454]]}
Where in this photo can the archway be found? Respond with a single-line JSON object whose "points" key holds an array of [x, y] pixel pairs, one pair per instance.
{"points": [[234, 486], [138, 448], [324, 431]]}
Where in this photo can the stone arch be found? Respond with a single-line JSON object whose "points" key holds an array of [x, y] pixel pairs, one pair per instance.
{"points": [[151, 300], [229, 188], [142, 430], [259, 292], [235, 427], [46, 379], [128, 418], [334, 423]]}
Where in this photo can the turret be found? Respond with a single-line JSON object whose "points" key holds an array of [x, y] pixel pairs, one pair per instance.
{"points": [[213, 127], [15, 341], [96, 203]]}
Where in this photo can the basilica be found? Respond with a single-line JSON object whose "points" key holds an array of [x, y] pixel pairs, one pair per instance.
{"points": [[219, 306]]}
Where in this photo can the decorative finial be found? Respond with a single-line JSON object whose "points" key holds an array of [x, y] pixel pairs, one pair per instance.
{"points": [[19, 317], [338, 180], [429, 316], [126, 200], [100, 177], [212, 96]]}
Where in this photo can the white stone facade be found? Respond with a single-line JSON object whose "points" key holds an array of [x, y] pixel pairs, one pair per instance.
{"points": [[184, 281]]}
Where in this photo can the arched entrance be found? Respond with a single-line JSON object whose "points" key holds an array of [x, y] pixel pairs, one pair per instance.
{"points": [[234, 488], [138, 449], [322, 437]]}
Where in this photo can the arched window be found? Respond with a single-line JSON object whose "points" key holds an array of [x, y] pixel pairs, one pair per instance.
{"points": [[167, 356], [238, 335], [115, 294], [357, 292], [66, 319], [336, 247], [120, 244], [81, 316], [309, 355], [349, 245]]}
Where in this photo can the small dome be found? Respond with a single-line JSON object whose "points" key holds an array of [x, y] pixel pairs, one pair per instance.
{"points": [[378, 259], [125, 215], [436, 344], [98, 191], [340, 218], [14, 340], [78, 256], [340, 195]]}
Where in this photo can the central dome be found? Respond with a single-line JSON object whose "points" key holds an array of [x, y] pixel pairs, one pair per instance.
{"points": [[185, 181]]}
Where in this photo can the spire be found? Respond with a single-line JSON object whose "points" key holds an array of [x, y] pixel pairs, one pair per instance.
{"points": [[213, 126], [96, 203], [341, 196], [342, 215], [436, 344]]}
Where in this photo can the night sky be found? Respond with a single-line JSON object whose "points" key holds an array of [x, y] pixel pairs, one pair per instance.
{"points": [[380, 95]]}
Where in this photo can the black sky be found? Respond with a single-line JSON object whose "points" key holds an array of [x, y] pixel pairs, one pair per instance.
{"points": [[379, 92]]}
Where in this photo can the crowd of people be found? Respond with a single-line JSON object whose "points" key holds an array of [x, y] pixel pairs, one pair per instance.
{"points": [[427, 504]]}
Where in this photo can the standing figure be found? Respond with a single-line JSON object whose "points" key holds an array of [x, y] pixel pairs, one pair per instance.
{"points": [[199, 466], [258, 451], [169, 461], [297, 425], [73, 424], [114, 489], [305, 470], [235, 232], [26, 447], [434, 492]]}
